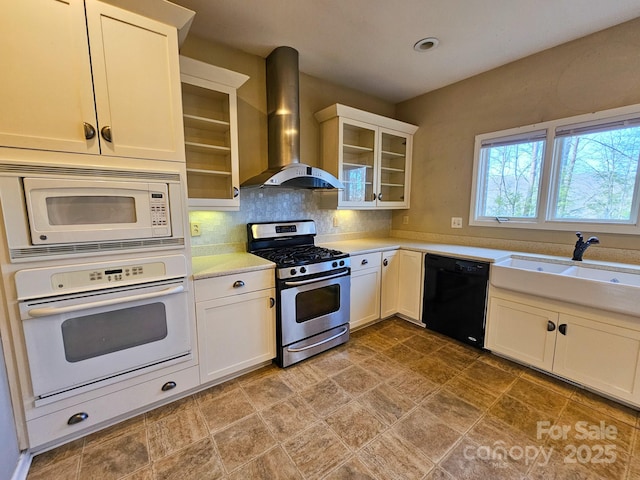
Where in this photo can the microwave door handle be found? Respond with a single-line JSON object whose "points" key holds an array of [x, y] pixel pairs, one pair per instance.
{"points": [[49, 311]]}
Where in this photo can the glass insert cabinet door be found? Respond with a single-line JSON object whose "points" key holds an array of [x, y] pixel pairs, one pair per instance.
{"points": [[358, 168], [394, 168]]}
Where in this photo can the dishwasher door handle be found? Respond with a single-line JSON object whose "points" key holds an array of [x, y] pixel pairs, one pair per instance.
{"points": [[49, 311]]}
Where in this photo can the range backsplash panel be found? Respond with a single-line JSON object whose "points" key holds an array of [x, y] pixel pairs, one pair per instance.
{"points": [[225, 232]]}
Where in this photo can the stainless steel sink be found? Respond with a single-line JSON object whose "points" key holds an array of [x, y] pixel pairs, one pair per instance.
{"points": [[612, 288]]}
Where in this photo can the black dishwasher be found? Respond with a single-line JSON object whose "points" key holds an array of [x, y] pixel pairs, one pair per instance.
{"points": [[455, 295]]}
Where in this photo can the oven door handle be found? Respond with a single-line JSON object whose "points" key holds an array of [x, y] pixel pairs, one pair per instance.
{"points": [[333, 337], [315, 280], [48, 311]]}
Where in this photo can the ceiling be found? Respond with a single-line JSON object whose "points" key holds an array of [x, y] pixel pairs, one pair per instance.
{"points": [[368, 44]]}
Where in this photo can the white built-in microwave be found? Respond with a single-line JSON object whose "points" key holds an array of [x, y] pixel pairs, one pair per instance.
{"points": [[69, 211], [50, 216]]}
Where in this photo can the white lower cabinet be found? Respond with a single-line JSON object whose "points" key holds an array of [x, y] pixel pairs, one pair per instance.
{"points": [[384, 284], [410, 283], [73, 420], [236, 320], [597, 349], [389, 288], [365, 289], [522, 332]]}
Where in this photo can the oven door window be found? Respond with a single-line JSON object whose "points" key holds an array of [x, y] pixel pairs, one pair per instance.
{"points": [[317, 302], [102, 333], [90, 209]]}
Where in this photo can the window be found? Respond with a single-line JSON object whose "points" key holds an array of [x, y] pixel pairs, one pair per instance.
{"points": [[576, 173]]}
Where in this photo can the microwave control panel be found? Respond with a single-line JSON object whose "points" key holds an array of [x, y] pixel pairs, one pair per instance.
{"points": [[159, 213], [111, 276]]}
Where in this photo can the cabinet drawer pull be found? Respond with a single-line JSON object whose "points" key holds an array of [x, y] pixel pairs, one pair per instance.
{"points": [[563, 329], [77, 418], [89, 131], [168, 386], [238, 284], [106, 133], [551, 326], [364, 261], [385, 262]]}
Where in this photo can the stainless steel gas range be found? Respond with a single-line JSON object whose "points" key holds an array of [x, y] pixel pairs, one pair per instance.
{"points": [[313, 287]]}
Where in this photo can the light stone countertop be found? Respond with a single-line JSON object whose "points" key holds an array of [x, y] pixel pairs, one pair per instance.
{"points": [[228, 264], [369, 245], [232, 263]]}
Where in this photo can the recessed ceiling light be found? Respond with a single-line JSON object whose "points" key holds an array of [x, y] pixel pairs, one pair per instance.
{"points": [[426, 44]]}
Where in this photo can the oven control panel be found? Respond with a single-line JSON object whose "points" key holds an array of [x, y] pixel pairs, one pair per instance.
{"points": [[106, 277]]}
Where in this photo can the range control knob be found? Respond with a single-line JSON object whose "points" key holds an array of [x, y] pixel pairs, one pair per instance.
{"points": [[293, 271], [342, 263], [303, 270], [334, 264]]}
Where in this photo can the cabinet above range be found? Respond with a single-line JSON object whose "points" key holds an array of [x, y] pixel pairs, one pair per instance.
{"points": [[370, 154], [123, 100], [209, 102]]}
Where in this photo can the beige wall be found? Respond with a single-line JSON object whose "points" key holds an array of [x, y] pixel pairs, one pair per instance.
{"points": [[593, 73], [315, 94]]}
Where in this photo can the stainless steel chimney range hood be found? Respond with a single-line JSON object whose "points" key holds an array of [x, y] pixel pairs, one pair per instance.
{"points": [[283, 116]]}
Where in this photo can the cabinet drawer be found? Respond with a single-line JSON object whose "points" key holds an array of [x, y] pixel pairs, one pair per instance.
{"points": [[366, 260], [53, 426], [226, 285]]}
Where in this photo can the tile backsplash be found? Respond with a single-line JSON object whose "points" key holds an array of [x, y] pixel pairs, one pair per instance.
{"points": [[225, 232]]}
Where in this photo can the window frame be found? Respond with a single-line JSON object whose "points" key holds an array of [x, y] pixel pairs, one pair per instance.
{"points": [[548, 183]]}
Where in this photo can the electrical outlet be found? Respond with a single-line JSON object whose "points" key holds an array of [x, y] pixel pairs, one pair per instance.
{"points": [[456, 222], [405, 220], [195, 229]]}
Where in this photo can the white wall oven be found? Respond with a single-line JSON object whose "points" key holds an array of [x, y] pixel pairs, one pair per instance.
{"points": [[89, 325], [51, 211]]}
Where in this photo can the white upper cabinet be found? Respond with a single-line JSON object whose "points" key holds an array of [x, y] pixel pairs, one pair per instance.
{"points": [[211, 134], [105, 83], [370, 154]]}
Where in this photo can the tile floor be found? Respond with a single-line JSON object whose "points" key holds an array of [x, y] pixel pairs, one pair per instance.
{"points": [[396, 402]]}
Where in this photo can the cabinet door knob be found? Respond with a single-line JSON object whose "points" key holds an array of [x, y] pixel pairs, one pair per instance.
{"points": [[106, 133], [77, 418], [563, 329], [272, 302], [236, 192], [364, 261], [374, 196], [379, 196], [551, 326], [89, 131], [385, 262], [169, 386], [238, 284]]}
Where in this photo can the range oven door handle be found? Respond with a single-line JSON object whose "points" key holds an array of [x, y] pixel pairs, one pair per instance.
{"points": [[333, 337], [48, 311], [315, 280]]}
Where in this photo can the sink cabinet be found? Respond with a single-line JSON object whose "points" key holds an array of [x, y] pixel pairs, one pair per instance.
{"points": [[209, 102], [600, 350], [122, 101], [370, 154], [236, 322]]}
